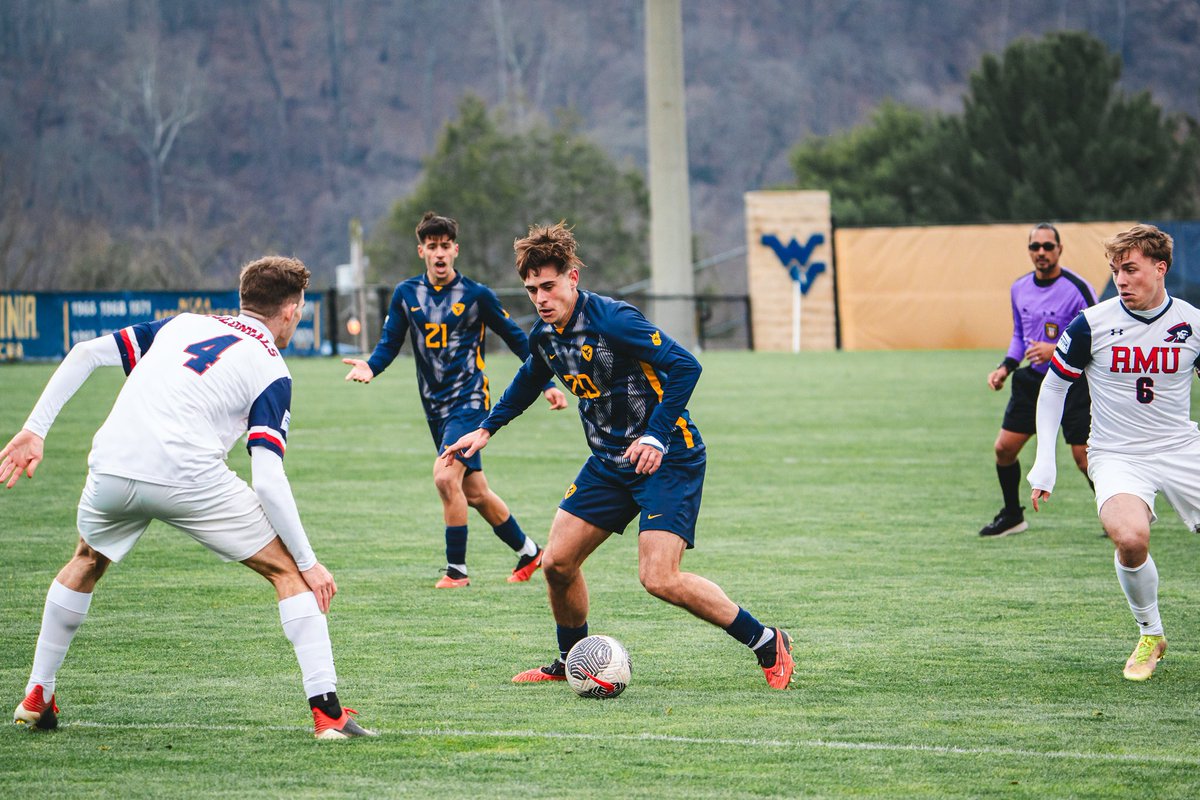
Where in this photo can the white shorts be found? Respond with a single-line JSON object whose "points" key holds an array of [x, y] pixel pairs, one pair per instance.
{"points": [[225, 515], [1176, 474]]}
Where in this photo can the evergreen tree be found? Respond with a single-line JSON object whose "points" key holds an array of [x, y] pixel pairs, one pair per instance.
{"points": [[887, 172], [1044, 134], [497, 183]]}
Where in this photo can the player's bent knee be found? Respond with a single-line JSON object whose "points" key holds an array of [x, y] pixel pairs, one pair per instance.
{"points": [[660, 585], [87, 565], [447, 483], [90, 558], [556, 572]]}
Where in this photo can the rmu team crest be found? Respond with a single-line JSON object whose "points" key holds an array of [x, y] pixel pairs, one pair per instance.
{"points": [[656, 338], [586, 352], [458, 309], [1179, 333], [1051, 330]]}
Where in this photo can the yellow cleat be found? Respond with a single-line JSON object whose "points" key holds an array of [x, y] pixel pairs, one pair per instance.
{"points": [[1145, 657]]}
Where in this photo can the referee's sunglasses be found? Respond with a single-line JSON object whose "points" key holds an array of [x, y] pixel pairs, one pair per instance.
{"points": [[1047, 246]]}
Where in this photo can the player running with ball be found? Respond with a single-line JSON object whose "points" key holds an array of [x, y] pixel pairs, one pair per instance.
{"points": [[633, 383]]}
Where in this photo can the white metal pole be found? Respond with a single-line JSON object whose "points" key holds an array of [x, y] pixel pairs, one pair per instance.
{"points": [[670, 209], [360, 280], [796, 297]]}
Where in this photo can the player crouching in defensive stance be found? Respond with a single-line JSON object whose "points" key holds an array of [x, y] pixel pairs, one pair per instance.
{"points": [[1138, 351], [195, 385], [633, 383]]}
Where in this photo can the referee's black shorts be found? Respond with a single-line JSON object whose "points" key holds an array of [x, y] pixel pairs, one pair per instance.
{"points": [[1021, 414]]}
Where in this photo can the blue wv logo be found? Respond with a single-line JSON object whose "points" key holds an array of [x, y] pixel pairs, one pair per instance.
{"points": [[794, 258]]}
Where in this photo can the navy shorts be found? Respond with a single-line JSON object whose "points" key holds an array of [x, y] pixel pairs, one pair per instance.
{"points": [[668, 500], [1021, 414], [448, 430]]}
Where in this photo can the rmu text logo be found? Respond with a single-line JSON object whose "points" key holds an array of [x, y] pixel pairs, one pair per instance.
{"points": [[794, 257]]}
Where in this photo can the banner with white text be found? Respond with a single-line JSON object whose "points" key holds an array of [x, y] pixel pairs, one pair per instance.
{"points": [[40, 326]]}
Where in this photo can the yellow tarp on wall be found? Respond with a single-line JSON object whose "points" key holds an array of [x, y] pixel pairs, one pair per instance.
{"points": [[947, 287]]}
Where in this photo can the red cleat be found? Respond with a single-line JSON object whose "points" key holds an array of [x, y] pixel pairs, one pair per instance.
{"points": [[35, 712], [526, 567], [557, 671], [344, 727]]}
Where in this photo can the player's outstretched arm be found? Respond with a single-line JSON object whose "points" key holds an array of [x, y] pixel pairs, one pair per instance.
{"points": [[467, 445], [360, 371], [1052, 397], [23, 453]]}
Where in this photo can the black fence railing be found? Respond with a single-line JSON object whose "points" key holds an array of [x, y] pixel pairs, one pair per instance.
{"points": [[722, 320]]}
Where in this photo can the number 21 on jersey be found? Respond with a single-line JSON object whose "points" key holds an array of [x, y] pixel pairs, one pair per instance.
{"points": [[435, 334]]}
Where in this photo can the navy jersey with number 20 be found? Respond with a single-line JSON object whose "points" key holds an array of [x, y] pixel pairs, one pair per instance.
{"points": [[631, 379]]}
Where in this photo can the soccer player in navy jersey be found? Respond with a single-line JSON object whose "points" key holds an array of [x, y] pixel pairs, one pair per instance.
{"points": [[196, 384], [1138, 351], [633, 383], [445, 315], [1043, 302]]}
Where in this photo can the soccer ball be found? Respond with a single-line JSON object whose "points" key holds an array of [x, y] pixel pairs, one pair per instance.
{"points": [[598, 666]]}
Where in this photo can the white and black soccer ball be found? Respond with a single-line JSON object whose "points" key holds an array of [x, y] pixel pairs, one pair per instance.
{"points": [[598, 666]]}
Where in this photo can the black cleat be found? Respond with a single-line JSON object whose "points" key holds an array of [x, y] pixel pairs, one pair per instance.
{"points": [[1008, 521]]}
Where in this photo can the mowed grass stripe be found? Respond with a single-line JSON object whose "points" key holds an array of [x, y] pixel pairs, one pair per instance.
{"points": [[818, 744]]}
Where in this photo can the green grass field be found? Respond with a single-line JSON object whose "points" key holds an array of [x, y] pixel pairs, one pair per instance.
{"points": [[843, 498]]}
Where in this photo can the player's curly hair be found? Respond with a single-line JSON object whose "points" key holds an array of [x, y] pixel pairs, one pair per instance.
{"points": [[552, 245], [1151, 242], [269, 282]]}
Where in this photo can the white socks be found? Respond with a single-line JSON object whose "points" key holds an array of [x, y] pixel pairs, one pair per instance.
{"points": [[306, 628], [529, 548], [1141, 590], [64, 612], [303, 623]]}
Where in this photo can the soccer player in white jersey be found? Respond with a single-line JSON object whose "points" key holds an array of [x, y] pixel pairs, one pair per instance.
{"points": [[196, 384], [1138, 351]]}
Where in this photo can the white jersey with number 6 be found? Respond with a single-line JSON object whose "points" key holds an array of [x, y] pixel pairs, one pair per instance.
{"points": [[196, 385], [1139, 372]]}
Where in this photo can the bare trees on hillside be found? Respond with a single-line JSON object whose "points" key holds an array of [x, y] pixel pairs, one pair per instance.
{"points": [[153, 97]]}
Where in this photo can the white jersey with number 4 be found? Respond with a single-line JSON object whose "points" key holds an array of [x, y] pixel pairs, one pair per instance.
{"points": [[1139, 372], [196, 385]]}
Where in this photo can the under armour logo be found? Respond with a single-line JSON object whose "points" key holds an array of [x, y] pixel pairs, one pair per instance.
{"points": [[794, 257]]}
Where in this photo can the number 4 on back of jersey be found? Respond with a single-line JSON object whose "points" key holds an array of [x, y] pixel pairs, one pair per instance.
{"points": [[208, 352]]}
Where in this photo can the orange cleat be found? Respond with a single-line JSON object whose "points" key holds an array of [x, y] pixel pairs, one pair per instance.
{"points": [[779, 673], [526, 567], [453, 579], [37, 713], [556, 671]]}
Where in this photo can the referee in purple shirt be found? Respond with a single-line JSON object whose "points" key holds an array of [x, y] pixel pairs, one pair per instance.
{"points": [[1044, 301]]}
